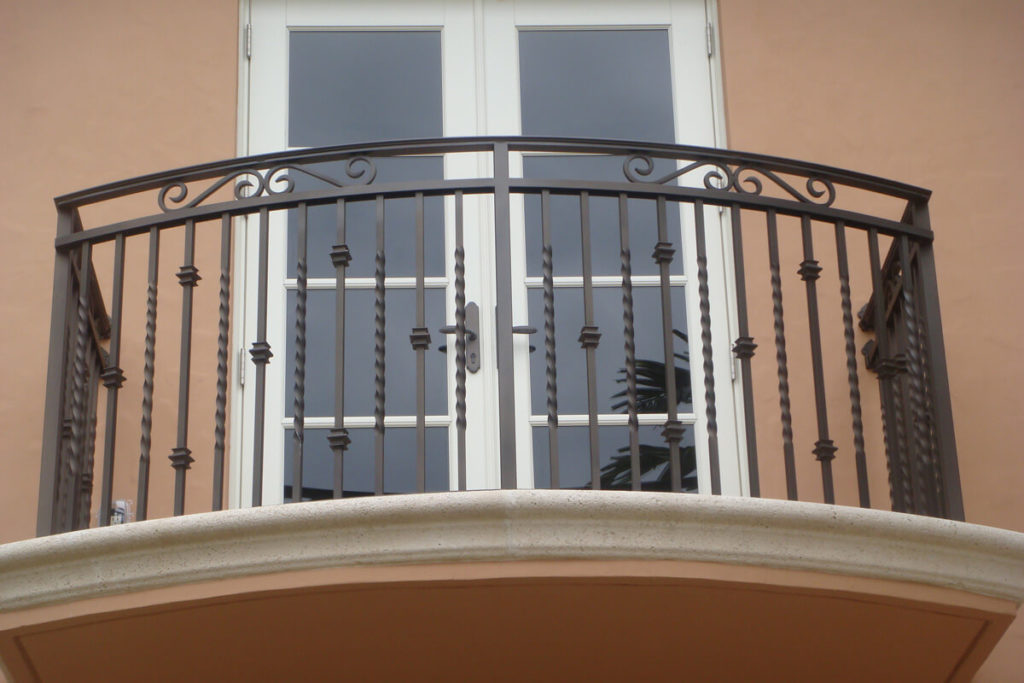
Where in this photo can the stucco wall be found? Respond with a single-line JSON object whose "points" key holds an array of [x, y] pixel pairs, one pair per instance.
{"points": [[92, 92], [930, 93]]}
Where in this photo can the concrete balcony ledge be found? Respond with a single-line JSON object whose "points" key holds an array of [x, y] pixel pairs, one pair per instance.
{"points": [[513, 585], [509, 526]]}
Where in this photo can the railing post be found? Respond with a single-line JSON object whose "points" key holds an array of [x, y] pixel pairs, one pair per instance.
{"points": [[503, 316], [56, 368], [938, 377]]}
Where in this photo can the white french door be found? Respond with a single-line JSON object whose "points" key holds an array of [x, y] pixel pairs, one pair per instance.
{"points": [[326, 72]]}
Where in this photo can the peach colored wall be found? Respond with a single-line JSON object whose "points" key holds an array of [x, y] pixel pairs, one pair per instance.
{"points": [[930, 93], [92, 92]]}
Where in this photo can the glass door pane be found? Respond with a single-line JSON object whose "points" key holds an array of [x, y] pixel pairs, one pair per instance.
{"points": [[351, 86]]}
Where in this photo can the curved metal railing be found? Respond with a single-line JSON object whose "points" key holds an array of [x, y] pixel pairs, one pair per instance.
{"points": [[910, 436]]}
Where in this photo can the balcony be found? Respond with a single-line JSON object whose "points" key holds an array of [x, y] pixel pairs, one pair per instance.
{"points": [[452, 317]]}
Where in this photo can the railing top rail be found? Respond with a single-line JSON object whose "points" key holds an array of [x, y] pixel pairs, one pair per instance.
{"points": [[740, 161]]}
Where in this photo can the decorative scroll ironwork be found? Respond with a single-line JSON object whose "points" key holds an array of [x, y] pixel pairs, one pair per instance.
{"points": [[275, 180], [740, 178]]}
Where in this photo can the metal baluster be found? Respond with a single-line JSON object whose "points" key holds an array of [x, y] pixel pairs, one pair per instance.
{"points": [[420, 339], [79, 385], [705, 337], [674, 429], [261, 355], [589, 339], [338, 438], [629, 343], [886, 369], [89, 447], [61, 310], [851, 366], [901, 418], [460, 340], [113, 379], [915, 386], [379, 352], [935, 359], [149, 359], [299, 402], [223, 332], [780, 356], [744, 348], [503, 318], [181, 455], [68, 472], [550, 364], [824, 448]]}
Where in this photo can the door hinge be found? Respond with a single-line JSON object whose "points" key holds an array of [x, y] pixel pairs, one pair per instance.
{"points": [[248, 41], [241, 367], [711, 39]]}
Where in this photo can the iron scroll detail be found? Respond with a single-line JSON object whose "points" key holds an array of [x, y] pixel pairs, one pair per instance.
{"points": [[275, 180], [743, 179]]}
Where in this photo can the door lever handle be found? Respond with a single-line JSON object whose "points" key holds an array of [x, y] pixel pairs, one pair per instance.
{"points": [[450, 329], [524, 329], [472, 340]]}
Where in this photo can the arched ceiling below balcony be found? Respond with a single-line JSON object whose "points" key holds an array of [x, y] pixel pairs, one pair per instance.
{"points": [[513, 585]]}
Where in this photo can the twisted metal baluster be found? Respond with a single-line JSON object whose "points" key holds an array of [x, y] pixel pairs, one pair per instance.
{"points": [[379, 359], [67, 470], [705, 338], [900, 420], [780, 356], [85, 492], [223, 331], [460, 341], [149, 359], [550, 358], [78, 388], [629, 342], [299, 403], [919, 417], [884, 366], [851, 366]]}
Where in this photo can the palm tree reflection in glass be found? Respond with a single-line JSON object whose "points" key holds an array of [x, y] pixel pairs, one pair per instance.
{"points": [[652, 397]]}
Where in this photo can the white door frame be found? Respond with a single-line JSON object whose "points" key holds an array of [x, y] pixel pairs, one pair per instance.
{"points": [[480, 48]]}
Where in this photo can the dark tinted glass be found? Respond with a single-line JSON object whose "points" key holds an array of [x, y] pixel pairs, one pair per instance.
{"points": [[610, 354], [400, 358], [359, 467], [574, 458], [363, 86], [596, 83]]}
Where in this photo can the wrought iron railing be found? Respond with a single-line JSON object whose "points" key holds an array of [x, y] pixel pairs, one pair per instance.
{"points": [[770, 211]]}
